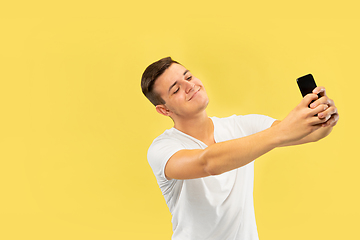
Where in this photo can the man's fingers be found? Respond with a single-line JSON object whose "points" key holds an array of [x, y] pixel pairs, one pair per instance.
{"points": [[332, 121], [331, 116], [319, 109], [324, 114], [322, 100], [320, 90], [308, 99], [328, 112]]}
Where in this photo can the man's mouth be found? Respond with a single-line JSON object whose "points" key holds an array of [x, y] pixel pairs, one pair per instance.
{"points": [[194, 94]]}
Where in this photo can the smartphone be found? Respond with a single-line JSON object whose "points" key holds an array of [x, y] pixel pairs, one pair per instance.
{"points": [[306, 84]]}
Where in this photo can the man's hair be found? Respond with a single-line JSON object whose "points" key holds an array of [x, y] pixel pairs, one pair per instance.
{"points": [[151, 73]]}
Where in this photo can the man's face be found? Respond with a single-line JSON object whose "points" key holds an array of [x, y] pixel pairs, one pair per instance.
{"points": [[184, 94]]}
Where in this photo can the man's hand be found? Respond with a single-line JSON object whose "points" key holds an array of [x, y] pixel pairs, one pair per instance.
{"points": [[330, 114], [302, 126], [301, 121]]}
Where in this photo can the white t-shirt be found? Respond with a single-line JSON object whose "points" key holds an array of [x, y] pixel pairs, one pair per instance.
{"points": [[217, 207]]}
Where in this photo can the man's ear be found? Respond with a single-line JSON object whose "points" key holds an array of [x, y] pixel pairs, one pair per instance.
{"points": [[162, 109]]}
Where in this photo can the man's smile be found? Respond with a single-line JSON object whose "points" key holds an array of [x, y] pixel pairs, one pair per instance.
{"points": [[194, 94]]}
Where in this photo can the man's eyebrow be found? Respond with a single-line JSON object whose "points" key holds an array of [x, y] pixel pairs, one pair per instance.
{"points": [[172, 86], [176, 81]]}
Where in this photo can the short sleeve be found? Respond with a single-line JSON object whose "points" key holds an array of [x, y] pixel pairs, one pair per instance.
{"points": [[160, 151], [254, 123]]}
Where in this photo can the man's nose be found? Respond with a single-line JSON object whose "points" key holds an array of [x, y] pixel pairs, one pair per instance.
{"points": [[189, 86]]}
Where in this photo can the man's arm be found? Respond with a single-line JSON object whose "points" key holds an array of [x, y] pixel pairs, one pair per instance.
{"points": [[221, 157], [225, 156]]}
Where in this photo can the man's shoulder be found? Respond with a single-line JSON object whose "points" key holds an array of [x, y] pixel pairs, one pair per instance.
{"points": [[169, 138], [234, 119], [241, 125], [168, 134], [242, 118]]}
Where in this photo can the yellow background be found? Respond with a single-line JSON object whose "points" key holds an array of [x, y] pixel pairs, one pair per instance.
{"points": [[75, 127]]}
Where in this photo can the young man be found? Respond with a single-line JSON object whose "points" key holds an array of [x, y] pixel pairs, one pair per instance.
{"points": [[205, 166]]}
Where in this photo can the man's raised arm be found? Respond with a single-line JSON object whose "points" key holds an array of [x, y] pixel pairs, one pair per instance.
{"points": [[228, 155]]}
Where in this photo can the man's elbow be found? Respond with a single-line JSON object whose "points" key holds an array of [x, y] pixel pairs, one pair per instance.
{"points": [[211, 164], [213, 170]]}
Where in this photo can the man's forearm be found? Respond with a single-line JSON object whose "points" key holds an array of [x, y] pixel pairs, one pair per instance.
{"points": [[312, 137], [225, 156], [315, 136]]}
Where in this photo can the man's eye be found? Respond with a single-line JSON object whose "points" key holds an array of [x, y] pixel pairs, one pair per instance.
{"points": [[176, 90]]}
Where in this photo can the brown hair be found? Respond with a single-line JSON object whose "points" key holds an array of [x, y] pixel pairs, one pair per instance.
{"points": [[151, 73]]}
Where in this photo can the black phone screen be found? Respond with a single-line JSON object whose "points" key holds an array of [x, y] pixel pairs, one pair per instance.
{"points": [[306, 84]]}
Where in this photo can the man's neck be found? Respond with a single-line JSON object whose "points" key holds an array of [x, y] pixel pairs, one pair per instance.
{"points": [[200, 127]]}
